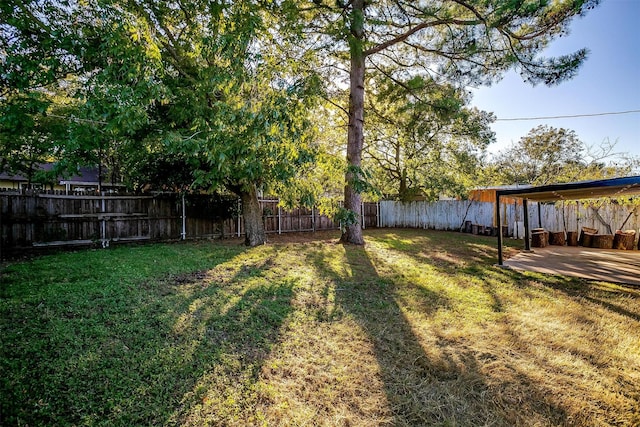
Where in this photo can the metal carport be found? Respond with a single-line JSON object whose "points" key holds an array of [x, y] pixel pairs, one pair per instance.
{"points": [[615, 187]]}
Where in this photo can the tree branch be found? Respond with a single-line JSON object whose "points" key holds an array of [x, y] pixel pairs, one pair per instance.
{"points": [[404, 36]]}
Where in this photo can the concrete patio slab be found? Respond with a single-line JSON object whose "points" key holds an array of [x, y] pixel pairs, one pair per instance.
{"points": [[606, 265]]}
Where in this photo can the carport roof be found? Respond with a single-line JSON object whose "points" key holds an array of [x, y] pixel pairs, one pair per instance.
{"points": [[615, 187]]}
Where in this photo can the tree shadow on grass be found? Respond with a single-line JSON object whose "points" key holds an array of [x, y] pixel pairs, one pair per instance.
{"points": [[536, 329], [596, 293], [233, 345], [460, 258], [578, 331], [179, 349], [410, 376], [437, 244], [426, 381]]}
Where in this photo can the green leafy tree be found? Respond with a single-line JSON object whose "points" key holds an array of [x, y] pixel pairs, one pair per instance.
{"points": [[212, 83], [37, 48], [549, 155], [30, 135], [321, 183], [422, 138], [460, 41], [227, 100], [20, 134]]}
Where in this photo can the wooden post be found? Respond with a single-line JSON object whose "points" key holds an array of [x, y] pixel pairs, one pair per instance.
{"points": [[499, 228], [239, 216], [184, 219], [525, 208], [152, 201], [279, 219], [540, 215], [103, 225]]}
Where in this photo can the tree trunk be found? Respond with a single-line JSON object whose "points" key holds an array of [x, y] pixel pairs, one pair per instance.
{"points": [[355, 140], [572, 238], [253, 226], [602, 241], [624, 239], [586, 236], [403, 190], [539, 238], [557, 238]]}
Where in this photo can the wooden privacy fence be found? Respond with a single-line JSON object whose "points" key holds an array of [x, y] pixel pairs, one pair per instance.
{"points": [[452, 215], [41, 220]]}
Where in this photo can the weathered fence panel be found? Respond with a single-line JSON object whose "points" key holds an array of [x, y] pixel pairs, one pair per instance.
{"points": [[43, 220], [30, 220], [572, 216], [452, 214], [440, 215]]}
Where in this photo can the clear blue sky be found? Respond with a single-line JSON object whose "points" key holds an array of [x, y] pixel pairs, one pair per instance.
{"points": [[609, 81]]}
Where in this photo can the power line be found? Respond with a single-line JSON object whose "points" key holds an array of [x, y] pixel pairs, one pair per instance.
{"points": [[567, 117]]}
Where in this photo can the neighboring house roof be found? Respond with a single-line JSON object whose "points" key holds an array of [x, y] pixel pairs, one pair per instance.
{"points": [[6, 176], [87, 175], [9, 177]]}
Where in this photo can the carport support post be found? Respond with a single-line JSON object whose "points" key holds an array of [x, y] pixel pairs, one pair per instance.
{"points": [[525, 208], [539, 214], [499, 228]]}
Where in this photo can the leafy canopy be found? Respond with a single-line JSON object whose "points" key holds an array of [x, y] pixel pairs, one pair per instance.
{"points": [[549, 155], [423, 139], [212, 84], [450, 41]]}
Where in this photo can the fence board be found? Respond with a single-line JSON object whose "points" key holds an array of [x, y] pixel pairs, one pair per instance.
{"points": [[451, 215], [29, 220]]}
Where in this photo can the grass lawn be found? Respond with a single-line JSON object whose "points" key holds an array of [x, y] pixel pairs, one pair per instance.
{"points": [[418, 328]]}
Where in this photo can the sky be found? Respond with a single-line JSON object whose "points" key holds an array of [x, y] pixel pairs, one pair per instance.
{"points": [[609, 81]]}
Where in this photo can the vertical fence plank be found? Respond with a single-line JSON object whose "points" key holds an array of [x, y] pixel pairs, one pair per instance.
{"points": [[449, 215], [30, 219]]}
